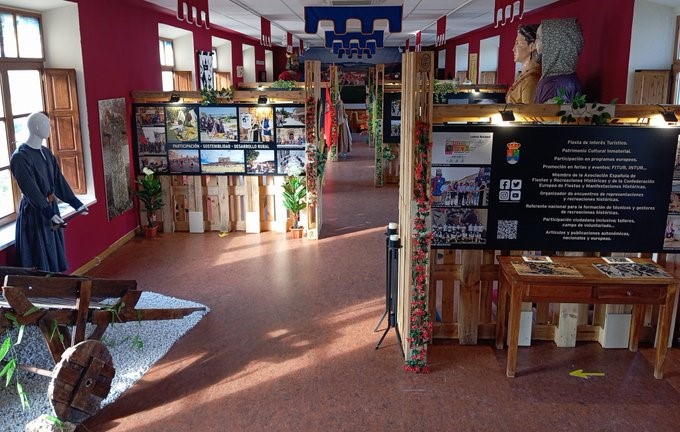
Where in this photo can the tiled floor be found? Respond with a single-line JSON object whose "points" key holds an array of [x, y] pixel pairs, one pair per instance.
{"points": [[289, 343]]}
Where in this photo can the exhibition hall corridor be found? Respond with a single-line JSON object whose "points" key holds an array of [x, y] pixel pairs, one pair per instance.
{"points": [[288, 344]]}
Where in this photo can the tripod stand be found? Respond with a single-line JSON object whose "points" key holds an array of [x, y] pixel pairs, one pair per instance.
{"points": [[393, 246]]}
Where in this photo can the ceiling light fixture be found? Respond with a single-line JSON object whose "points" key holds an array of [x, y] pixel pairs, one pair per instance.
{"points": [[174, 98], [262, 100]]}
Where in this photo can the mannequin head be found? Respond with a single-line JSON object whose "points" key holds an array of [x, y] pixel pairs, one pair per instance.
{"points": [[525, 43], [38, 129]]}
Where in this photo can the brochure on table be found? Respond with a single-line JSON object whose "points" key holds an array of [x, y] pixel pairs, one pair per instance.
{"points": [[236, 139], [555, 187]]}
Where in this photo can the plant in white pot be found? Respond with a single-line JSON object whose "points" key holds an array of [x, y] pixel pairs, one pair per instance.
{"points": [[150, 194]]}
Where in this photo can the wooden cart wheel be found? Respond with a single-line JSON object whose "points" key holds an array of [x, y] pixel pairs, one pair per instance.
{"points": [[81, 380]]}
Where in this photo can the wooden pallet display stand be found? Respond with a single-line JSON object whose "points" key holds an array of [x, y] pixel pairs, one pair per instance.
{"points": [[378, 91], [312, 216], [417, 84]]}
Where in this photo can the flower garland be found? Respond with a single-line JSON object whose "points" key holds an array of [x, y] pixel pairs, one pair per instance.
{"points": [[311, 150], [420, 326]]}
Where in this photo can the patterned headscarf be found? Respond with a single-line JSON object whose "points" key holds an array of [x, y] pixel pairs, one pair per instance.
{"points": [[562, 42]]}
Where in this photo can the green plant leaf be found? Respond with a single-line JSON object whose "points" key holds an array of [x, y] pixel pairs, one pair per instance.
{"points": [[10, 316], [4, 349], [23, 396], [31, 310], [55, 420], [8, 370]]}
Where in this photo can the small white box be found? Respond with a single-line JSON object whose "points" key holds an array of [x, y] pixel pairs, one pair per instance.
{"points": [[616, 331], [252, 222], [526, 321], [196, 222]]}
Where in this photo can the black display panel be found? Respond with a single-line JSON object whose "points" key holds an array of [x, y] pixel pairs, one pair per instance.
{"points": [[552, 187], [234, 139]]}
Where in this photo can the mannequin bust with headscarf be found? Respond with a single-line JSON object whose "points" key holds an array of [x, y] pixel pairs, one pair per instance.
{"points": [[523, 89], [39, 237], [558, 44]]}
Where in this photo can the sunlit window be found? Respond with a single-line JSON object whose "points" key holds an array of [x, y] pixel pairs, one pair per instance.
{"points": [[21, 36], [21, 93]]}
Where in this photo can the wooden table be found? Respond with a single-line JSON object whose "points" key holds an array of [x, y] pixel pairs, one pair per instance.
{"points": [[594, 287]]}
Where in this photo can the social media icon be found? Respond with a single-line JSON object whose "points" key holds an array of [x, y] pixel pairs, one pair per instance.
{"points": [[505, 184], [516, 184], [515, 195], [503, 195]]}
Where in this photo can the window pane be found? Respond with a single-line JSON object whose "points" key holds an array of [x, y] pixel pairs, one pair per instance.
{"points": [[169, 54], [9, 39], [21, 130], [161, 50], [6, 196], [25, 91], [30, 43], [4, 148], [168, 82]]}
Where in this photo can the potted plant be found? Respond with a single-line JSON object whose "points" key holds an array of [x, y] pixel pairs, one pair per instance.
{"points": [[151, 196], [294, 199]]}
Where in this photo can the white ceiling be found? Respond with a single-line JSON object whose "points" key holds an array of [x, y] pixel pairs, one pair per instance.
{"points": [[243, 16]]}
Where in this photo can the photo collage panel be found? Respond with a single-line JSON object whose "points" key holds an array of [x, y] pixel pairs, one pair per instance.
{"points": [[460, 185], [220, 139]]}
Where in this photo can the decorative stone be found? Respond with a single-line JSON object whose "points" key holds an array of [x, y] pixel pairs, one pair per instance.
{"points": [[43, 424]]}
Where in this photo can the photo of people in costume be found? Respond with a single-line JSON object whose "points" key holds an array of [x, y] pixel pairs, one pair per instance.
{"points": [[218, 124]]}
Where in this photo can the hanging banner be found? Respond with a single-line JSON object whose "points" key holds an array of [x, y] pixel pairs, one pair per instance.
{"points": [[302, 46], [289, 43], [408, 45], [418, 47], [441, 32], [508, 9], [205, 67], [266, 31], [186, 9]]}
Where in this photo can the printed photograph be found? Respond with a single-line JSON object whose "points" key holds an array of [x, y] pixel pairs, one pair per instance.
{"points": [[157, 164], [395, 108], [151, 140], [671, 239], [674, 204], [222, 161], [290, 162], [395, 128], [634, 270], [183, 161], [617, 260], [181, 124], [460, 186], [290, 116], [256, 124], [290, 137], [260, 162], [453, 226], [218, 124], [461, 148], [537, 258], [150, 116], [545, 269]]}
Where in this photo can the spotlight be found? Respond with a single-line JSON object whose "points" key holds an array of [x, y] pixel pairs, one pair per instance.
{"points": [[668, 116], [262, 100], [174, 97], [507, 115]]}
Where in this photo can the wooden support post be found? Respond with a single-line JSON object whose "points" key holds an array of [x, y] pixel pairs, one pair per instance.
{"points": [[417, 84], [486, 291], [314, 183], [252, 204], [565, 332], [468, 307]]}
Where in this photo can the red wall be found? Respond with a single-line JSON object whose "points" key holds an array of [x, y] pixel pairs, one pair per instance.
{"points": [[603, 64], [120, 54]]}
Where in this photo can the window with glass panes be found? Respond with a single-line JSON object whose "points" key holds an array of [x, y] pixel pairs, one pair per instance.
{"points": [[21, 93], [167, 54]]}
